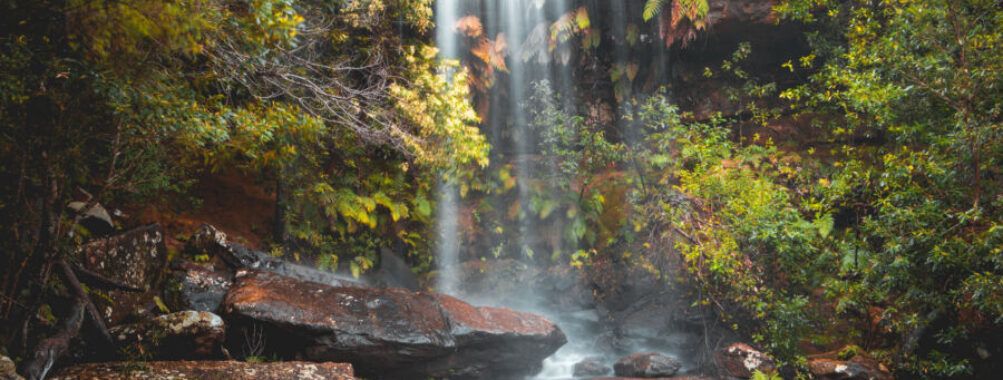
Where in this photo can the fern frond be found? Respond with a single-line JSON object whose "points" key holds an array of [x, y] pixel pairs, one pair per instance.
{"points": [[652, 8]]}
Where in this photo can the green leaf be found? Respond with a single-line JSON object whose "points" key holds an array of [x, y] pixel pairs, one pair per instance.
{"points": [[160, 305], [652, 8], [824, 224]]}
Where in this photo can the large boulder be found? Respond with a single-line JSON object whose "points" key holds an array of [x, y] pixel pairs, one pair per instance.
{"points": [[210, 241], [395, 333], [135, 258], [208, 370], [491, 341], [741, 360], [181, 335], [647, 366]]}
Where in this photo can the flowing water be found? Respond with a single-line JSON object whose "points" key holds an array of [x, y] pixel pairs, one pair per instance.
{"points": [[508, 129]]}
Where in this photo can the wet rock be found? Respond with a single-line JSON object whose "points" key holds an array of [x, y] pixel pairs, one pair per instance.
{"points": [[8, 370], [741, 360], [395, 333], [197, 287], [182, 335], [590, 367], [638, 308], [496, 342], [135, 258], [211, 241], [96, 219], [208, 370], [857, 368], [647, 366]]}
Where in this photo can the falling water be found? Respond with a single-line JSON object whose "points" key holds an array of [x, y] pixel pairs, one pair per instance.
{"points": [[447, 247], [514, 142]]}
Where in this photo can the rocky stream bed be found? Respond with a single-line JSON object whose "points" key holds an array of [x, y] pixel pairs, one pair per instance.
{"points": [[244, 314]]}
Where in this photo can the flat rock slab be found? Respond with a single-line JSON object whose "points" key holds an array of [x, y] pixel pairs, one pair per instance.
{"points": [[395, 333], [208, 370]]}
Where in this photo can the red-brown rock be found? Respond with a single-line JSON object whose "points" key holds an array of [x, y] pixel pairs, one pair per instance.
{"points": [[208, 370], [395, 333]]}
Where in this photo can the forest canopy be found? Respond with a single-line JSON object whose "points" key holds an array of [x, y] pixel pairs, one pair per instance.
{"points": [[889, 219]]}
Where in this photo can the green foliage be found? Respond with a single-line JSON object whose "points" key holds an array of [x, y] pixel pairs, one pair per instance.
{"points": [[339, 107], [652, 8], [734, 226], [923, 76], [695, 10], [758, 375], [572, 155], [898, 226]]}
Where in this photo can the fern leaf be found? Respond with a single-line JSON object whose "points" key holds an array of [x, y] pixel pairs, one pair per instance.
{"points": [[652, 8]]}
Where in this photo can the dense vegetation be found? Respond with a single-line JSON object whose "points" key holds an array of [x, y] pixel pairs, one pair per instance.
{"points": [[337, 106], [884, 232]]}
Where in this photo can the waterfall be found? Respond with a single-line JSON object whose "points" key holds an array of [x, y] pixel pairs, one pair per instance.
{"points": [[515, 142], [448, 247], [447, 214]]}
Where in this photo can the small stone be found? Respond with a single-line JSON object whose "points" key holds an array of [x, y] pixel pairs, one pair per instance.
{"points": [[590, 367], [647, 365]]}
